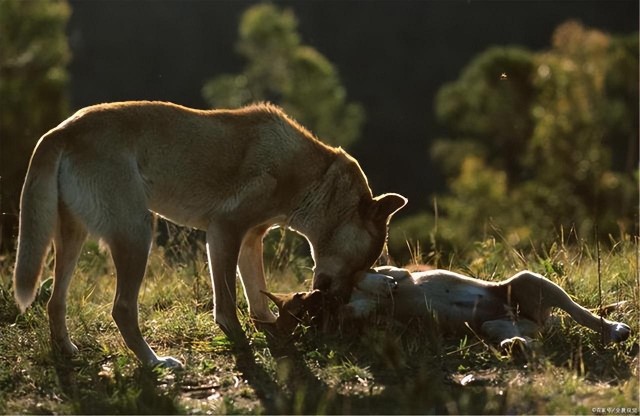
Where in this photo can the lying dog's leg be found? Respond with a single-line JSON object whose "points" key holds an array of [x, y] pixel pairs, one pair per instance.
{"points": [[251, 268], [396, 273], [536, 295], [500, 329], [376, 284], [528, 328], [130, 250], [509, 333], [68, 240], [223, 247]]}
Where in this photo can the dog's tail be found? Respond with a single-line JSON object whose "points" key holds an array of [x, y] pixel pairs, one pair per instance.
{"points": [[38, 217]]}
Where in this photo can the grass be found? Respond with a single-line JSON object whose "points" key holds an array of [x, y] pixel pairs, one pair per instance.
{"points": [[383, 369]]}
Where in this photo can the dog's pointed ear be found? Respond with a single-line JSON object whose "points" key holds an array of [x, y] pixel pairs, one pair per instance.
{"points": [[312, 302], [384, 206], [277, 298], [313, 296]]}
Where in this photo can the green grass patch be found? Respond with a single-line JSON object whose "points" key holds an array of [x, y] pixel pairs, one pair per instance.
{"points": [[381, 369]]}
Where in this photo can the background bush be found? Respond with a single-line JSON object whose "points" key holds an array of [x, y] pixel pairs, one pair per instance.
{"points": [[538, 142]]}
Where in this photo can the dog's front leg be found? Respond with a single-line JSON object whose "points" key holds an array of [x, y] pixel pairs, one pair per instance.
{"points": [[223, 246], [251, 268]]}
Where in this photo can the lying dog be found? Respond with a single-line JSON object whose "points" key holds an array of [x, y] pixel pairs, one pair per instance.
{"points": [[506, 311]]}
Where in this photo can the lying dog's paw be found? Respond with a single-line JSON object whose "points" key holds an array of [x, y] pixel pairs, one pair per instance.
{"points": [[517, 341], [376, 284], [619, 332], [396, 272]]}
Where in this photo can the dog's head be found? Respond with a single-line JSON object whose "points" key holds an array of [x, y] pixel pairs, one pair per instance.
{"points": [[296, 308], [354, 245], [320, 309]]}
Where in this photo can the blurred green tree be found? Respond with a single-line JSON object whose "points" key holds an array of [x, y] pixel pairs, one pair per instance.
{"points": [[541, 140], [281, 69], [487, 111], [580, 123], [33, 92]]}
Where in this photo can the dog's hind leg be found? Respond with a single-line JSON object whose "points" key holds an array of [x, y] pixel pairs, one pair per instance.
{"points": [[536, 296], [223, 247], [69, 238], [251, 267]]}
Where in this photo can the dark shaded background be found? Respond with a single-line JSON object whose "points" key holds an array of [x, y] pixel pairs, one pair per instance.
{"points": [[393, 56]]}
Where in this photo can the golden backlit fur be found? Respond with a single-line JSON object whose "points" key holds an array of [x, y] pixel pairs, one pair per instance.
{"points": [[232, 173]]}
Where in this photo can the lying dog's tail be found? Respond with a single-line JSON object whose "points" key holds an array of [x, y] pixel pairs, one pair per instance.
{"points": [[38, 217]]}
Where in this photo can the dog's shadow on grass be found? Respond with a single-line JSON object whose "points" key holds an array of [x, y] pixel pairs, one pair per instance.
{"points": [[104, 387], [110, 386], [298, 390]]}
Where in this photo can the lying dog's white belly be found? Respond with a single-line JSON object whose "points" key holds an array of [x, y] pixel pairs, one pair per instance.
{"points": [[504, 310], [451, 298]]}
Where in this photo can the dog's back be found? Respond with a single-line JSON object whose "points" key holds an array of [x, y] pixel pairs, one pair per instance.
{"points": [[191, 163]]}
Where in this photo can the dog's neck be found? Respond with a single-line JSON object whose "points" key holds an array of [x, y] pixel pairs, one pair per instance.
{"points": [[308, 215]]}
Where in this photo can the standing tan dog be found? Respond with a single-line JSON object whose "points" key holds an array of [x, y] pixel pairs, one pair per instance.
{"points": [[232, 173], [513, 309]]}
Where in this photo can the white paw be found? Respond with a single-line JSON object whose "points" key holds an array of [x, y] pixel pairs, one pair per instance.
{"points": [[512, 342], [71, 349], [619, 332], [167, 362], [66, 347], [395, 272], [376, 284]]}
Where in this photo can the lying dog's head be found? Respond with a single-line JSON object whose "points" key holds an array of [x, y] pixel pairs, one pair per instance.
{"points": [[296, 308], [321, 308]]}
